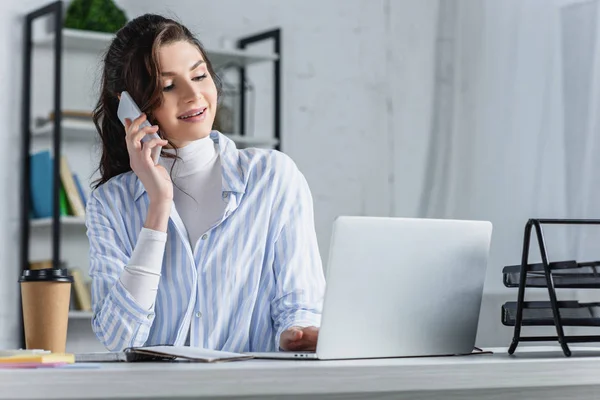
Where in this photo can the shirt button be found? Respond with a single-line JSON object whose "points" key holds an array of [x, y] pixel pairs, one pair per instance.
{"points": [[198, 314], [150, 316], [225, 195], [204, 236]]}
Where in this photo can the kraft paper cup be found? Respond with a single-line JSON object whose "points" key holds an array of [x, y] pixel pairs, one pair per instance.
{"points": [[45, 297]]}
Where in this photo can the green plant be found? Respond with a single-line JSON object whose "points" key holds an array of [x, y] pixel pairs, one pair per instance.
{"points": [[95, 15]]}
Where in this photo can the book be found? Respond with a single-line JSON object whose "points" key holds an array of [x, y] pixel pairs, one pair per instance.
{"points": [[41, 184], [163, 353], [188, 353], [80, 188], [34, 365], [101, 356], [82, 294], [43, 264], [39, 358], [75, 114], [21, 352], [66, 177], [64, 203], [42, 187]]}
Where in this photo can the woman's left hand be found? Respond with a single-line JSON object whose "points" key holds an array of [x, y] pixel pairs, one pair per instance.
{"points": [[299, 339]]}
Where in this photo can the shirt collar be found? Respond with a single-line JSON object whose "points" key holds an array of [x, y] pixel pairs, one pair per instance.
{"points": [[233, 175]]}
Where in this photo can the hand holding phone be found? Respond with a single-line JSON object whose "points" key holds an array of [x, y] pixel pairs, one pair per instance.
{"points": [[128, 109]]}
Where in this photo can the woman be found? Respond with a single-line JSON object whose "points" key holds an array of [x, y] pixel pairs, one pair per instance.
{"points": [[213, 247]]}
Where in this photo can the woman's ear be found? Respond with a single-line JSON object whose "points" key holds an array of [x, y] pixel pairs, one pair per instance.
{"points": [[151, 119]]}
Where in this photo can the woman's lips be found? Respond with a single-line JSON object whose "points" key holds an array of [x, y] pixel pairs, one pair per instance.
{"points": [[196, 118]]}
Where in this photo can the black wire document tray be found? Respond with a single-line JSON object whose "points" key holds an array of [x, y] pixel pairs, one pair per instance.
{"points": [[572, 313], [551, 276], [565, 274]]}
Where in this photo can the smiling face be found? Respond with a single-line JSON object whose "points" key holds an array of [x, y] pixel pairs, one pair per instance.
{"points": [[189, 94]]}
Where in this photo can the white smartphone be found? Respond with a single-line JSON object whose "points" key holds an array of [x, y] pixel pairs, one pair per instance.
{"points": [[128, 109]]}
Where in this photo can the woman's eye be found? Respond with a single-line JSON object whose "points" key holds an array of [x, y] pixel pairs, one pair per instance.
{"points": [[196, 78]]}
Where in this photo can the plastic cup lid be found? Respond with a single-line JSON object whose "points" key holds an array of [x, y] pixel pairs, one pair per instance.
{"points": [[46, 275]]}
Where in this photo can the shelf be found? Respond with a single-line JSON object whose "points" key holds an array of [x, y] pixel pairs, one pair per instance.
{"points": [[47, 222], [84, 130], [572, 313], [74, 39], [539, 267], [221, 57], [71, 130], [77, 314], [565, 274]]}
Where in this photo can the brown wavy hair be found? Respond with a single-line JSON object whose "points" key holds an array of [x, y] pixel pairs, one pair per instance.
{"points": [[131, 64]]}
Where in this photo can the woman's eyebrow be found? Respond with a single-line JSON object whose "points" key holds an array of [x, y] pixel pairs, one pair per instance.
{"points": [[193, 67]]}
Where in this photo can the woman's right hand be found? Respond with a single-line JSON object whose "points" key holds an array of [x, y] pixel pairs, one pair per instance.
{"points": [[155, 178]]}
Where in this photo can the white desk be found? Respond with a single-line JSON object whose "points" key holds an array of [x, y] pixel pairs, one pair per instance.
{"points": [[525, 376]]}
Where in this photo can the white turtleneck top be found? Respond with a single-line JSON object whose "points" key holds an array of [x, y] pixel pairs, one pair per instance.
{"points": [[197, 196]]}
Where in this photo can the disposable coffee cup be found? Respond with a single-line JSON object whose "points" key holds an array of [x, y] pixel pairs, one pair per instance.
{"points": [[45, 297]]}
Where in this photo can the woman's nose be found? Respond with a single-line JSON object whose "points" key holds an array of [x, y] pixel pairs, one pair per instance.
{"points": [[191, 92]]}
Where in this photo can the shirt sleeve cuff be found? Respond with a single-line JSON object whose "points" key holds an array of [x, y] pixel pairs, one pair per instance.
{"points": [[151, 234], [149, 250], [301, 319]]}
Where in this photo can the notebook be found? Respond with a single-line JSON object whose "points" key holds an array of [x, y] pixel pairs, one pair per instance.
{"points": [[163, 353], [33, 359]]}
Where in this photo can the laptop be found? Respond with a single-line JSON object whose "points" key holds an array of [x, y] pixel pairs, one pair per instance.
{"points": [[400, 287]]}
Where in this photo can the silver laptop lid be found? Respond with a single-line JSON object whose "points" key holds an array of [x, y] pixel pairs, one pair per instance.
{"points": [[403, 287]]}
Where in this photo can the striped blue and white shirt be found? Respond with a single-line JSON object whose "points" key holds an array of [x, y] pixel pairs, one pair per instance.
{"points": [[250, 277]]}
